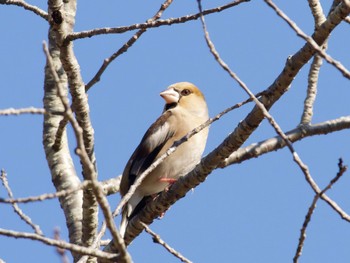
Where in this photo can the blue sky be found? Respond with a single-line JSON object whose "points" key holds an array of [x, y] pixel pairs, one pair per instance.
{"points": [[250, 212]]}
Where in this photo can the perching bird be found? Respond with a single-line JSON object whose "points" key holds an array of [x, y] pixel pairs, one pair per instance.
{"points": [[185, 109]]}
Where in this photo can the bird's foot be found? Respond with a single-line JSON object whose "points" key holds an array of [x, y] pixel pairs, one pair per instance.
{"points": [[168, 180]]}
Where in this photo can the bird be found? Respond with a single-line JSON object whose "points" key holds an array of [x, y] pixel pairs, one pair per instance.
{"points": [[185, 109]]}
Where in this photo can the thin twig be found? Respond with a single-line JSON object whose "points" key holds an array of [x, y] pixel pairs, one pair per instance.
{"points": [[104, 242], [97, 242], [317, 190], [302, 237], [18, 211], [47, 196], [59, 243], [157, 239], [30, 110], [276, 143], [110, 186], [310, 40], [26, 6], [146, 25], [126, 46], [60, 251]]}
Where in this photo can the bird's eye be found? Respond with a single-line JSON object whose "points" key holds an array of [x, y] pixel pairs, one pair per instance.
{"points": [[185, 92]]}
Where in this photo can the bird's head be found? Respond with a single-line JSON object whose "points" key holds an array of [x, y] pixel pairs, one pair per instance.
{"points": [[185, 95]]}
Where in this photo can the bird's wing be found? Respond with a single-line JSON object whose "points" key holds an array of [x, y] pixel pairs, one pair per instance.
{"points": [[151, 144]]}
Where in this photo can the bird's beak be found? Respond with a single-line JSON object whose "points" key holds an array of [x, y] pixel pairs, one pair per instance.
{"points": [[170, 96]]}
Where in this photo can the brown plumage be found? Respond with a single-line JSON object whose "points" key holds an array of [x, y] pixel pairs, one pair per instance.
{"points": [[185, 110]]}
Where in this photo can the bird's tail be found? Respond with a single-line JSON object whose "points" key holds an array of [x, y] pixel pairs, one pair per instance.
{"points": [[124, 221], [129, 210]]}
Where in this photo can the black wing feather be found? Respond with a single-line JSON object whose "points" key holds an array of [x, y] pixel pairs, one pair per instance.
{"points": [[147, 151]]}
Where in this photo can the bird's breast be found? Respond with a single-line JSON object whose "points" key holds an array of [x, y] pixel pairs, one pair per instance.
{"points": [[178, 164]]}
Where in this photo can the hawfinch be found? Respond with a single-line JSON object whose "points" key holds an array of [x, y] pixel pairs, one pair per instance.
{"points": [[185, 109]]}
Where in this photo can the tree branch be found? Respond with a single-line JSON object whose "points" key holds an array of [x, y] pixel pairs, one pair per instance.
{"points": [[316, 64], [59, 160], [97, 189], [317, 12], [157, 239], [62, 18], [60, 251], [276, 143], [18, 211], [26, 6], [311, 90], [345, 4], [30, 110], [59, 243], [302, 237], [167, 22], [127, 45], [110, 186]]}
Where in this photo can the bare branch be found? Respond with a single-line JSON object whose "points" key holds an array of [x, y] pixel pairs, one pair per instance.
{"points": [[302, 237], [318, 191], [59, 160], [157, 239], [127, 45], [110, 186], [97, 242], [310, 40], [18, 211], [275, 143], [60, 251], [317, 12], [26, 6], [345, 4], [146, 25], [260, 105], [59, 243], [89, 166], [64, 192], [311, 90], [314, 71], [62, 18], [30, 110], [273, 123]]}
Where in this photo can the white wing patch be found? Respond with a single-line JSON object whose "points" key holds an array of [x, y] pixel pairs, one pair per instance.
{"points": [[159, 136]]}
